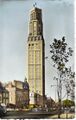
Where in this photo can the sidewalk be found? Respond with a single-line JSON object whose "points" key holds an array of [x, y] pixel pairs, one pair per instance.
{"points": [[63, 116], [12, 109]]}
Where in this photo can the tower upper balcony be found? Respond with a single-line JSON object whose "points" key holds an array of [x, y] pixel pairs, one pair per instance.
{"points": [[36, 14], [35, 24]]}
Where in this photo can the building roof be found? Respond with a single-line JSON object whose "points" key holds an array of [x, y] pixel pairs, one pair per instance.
{"points": [[25, 85]]}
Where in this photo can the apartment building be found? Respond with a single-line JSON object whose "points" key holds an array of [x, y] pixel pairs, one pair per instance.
{"points": [[18, 93]]}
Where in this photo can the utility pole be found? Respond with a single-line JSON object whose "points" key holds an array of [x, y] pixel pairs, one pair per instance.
{"points": [[59, 97], [59, 93], [55, 95], [67, 108], [56, 87]]}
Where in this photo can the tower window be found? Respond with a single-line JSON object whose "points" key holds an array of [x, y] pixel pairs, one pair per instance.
{"points": [[32, 44], [29, 44]]}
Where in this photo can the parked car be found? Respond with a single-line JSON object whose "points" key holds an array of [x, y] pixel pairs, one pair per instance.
{"points": [[2, 110], [34, 110]]}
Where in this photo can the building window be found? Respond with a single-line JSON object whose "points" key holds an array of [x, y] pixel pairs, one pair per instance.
{"points": [[31, 16], [7, 95], [7, 101], [3, 94], [4, 101], [32, 44], [0, 98], [35, 28], [11, 98]]}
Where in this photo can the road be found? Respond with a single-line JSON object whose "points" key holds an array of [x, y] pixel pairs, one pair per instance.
{"points": [[26, 115]]}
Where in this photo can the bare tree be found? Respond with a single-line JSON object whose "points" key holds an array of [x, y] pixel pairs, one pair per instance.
{"points": [[69, 81]]}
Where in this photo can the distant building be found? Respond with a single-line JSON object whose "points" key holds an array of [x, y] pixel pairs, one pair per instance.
{"points": [[18, 93], [36, 58], [4, 95]]}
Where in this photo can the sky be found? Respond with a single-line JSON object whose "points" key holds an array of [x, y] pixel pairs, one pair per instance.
{"points": [[58, 21]]}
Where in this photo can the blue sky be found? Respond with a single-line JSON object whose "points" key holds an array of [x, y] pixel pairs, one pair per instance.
{"points": [[58, 21]]}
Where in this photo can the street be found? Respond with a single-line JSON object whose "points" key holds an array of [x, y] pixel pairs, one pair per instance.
{"points": [[26, 115], [35, 115]]}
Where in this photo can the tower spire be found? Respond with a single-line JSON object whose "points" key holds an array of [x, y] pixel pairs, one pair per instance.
{"points": [[35, 5]]}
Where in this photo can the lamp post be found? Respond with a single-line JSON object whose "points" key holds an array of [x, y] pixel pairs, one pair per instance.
{"points": [[59, 85]]}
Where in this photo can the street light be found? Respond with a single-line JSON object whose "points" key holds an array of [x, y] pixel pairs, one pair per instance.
{"points": [[59, 89]]}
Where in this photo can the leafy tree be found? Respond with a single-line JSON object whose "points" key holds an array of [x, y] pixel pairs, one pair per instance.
{"points": [[60, 53], [60, 56], [68, 103]]}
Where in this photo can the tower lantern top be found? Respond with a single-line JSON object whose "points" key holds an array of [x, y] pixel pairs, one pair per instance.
{"points": [[35, 5]]}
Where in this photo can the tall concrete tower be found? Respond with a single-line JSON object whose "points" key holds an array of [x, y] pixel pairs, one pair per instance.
{"points": [[36, 58]]}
